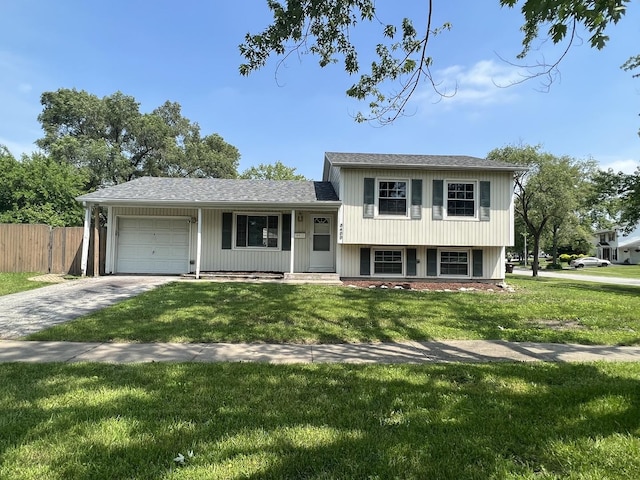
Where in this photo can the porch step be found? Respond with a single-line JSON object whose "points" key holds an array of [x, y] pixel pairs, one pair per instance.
{"points": [[324, 278]]}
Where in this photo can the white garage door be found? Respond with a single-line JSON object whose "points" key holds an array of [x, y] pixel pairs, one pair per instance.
{"points": [[152, 245]]}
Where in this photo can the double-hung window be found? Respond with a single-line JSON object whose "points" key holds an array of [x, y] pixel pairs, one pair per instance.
{"points": [[454, 263], [387, 262], [392, 197], [461, 199], [257, 231]]}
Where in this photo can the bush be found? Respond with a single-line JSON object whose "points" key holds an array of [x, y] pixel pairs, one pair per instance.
{"points": [[554, 266], [564, 258]]}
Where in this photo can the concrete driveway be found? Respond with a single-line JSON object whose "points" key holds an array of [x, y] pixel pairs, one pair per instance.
{"points": [[24, 313]]}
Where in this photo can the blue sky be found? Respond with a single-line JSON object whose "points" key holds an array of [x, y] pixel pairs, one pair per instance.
{"points": [[187, 52]]}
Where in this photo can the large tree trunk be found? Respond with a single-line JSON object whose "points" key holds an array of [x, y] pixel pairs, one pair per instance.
{"points": [[536, 249], [554, 246]]}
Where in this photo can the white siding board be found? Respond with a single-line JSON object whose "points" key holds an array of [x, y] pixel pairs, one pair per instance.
{"points": [[493, 261], [426, 231], [214, 258]]}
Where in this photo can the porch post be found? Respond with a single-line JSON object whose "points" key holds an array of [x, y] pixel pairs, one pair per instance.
{"points": [[85, 239], [199, 244], [293, 243]]}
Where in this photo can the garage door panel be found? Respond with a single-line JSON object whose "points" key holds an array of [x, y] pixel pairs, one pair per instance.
{"points": [[152, 245]]}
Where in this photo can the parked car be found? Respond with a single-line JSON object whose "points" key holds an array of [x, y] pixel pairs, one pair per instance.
{"points": [[589, 262]]}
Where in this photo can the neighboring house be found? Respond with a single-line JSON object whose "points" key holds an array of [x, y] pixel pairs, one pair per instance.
{"points": [[613, 245], [373, 216]]}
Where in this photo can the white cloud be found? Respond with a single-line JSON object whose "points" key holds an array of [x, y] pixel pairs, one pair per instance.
{"points": [[620, 165], [484, 83]]}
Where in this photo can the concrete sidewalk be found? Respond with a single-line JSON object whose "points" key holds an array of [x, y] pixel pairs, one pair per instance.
{"points": [[469, 351]]}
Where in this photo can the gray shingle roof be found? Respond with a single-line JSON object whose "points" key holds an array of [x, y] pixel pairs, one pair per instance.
{"points": [[431, 162], [212, 191]]}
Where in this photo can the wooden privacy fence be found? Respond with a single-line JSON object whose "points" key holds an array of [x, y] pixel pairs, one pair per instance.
{"points": [[45, 249]]}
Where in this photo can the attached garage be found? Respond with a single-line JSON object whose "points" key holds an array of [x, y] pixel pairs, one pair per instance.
{"points": [[152, 245]]}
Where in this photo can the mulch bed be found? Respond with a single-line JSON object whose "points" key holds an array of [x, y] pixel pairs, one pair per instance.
{"points": [[431, 286]]}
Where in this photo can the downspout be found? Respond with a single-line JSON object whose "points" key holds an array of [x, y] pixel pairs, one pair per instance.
{"points": [[293, 243], [199, 244], [85, 239]]}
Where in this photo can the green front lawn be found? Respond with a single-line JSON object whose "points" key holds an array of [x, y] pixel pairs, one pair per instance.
{"points": [[18, 282], [545, 310], [259, 421], [620, 271]]}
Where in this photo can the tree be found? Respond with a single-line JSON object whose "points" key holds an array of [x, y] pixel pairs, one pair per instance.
{"points": [[323, 28], [38, 189], [115, 142], [618, 195], [549, 191], [277, 171]]}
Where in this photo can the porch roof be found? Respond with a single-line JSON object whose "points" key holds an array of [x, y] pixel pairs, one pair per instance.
{"points": [[202, 192]]}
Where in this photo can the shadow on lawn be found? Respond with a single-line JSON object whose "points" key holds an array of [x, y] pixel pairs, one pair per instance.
{"points": [[281, 313], [330, 421]]}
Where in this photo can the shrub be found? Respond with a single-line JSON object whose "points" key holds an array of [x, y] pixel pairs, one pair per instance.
{"points": [[554, 266], [564, 258]]}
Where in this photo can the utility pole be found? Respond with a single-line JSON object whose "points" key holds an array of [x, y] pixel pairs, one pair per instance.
{"points": [[526, 252]]}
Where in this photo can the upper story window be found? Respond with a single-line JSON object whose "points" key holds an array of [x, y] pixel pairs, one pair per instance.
{"points": [[461, 199], [392, 197], [257, 231], [397, 198]]}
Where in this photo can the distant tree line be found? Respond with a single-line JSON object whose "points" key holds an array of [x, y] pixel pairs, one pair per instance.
{"points": [[91, 142]]}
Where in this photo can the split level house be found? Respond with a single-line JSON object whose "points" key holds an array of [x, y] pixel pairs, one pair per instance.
{"points": [[615, 245], [373, 216]]}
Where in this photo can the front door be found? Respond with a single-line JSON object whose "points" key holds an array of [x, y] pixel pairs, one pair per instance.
{"points": [[321, 245]]}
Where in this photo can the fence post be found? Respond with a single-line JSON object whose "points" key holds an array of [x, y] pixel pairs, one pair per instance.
{"points": [[50, 252], [85, 239]]}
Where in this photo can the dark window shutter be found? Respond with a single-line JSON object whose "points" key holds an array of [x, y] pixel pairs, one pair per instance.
{"points": [[227, 230], [365, 261], [432, 262], [369, 197], [286, 231], [438, 199], [477, 263], [412, 262], [416, 199], [241, 230], [485, 201]]}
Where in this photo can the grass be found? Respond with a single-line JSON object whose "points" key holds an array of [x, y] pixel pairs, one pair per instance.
{"points": [[18, 282], [619, 271], [500, 421], [543, 309]]}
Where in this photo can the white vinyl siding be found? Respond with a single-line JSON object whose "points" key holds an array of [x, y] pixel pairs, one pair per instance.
{"points": [[454, 232], [493, 261]]}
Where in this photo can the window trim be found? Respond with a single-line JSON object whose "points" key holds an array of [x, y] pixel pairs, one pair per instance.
{"points": [[387, 249], [468, 251], [234, 239], [476, 200], [407, 207]]}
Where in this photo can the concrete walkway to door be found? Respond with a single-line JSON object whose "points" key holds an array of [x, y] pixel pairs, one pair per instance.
{"points": [[28, 312]]}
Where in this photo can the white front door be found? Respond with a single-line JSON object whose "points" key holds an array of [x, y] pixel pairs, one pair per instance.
{"points": [[321, 245]]}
